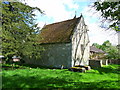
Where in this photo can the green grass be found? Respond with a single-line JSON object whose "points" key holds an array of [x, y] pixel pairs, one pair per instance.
{"points": [[26, 77]]}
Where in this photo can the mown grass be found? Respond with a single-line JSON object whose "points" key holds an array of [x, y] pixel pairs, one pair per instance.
{"points": [[106, 77]]}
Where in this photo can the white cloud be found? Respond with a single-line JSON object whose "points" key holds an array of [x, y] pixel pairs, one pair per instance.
{"points": [[56, 9], [70, 3], [90, 13], [96, 33], [41, 24], [99, 35]]}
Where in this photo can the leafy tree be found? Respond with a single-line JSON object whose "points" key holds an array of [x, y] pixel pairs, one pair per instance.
{"points": [[110, 11], [96, 45], [112, 51], [106, 45], [19, 30]]}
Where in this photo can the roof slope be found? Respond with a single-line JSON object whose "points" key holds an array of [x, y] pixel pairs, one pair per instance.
{"points": [[96, 50], [58, 32]]}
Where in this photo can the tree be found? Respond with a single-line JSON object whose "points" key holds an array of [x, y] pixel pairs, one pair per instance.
{"points": [[110, 12], [112, 51], [96, 45], [19, 30]]}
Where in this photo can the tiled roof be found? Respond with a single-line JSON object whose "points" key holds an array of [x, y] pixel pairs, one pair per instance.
{"points": [[59, 32], [96, 50]]}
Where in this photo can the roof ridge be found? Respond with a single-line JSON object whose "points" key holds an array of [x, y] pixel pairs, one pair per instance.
{"points": [[63, 21]]}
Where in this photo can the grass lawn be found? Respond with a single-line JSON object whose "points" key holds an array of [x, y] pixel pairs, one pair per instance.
{"points": [[26, 77]]}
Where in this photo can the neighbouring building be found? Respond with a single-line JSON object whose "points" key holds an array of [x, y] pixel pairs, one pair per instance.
{"points": [[66, 44], [96, 53]]}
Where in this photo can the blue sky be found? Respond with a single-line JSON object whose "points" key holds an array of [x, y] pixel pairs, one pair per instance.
{"points": [[75, 11], [60, 10]]}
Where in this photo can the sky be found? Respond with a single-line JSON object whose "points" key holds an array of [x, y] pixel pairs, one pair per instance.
{"points": [[60, 10]]}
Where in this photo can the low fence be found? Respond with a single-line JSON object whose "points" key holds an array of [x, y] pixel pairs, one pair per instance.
{"points": [[114, 61], [99, 63]]}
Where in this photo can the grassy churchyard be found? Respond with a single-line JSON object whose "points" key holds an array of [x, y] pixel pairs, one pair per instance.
{"points": [[27, 77]]}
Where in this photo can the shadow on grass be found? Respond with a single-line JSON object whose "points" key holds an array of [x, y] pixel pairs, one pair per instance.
{"points": [[34, 66], [107, 70], [17, 81], [22, 66]]}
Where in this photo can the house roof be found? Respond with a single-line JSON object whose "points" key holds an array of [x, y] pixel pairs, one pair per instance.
{"points": [[96, 50], [59, 32]]}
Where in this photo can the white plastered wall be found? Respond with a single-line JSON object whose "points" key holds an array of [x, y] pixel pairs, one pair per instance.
{"points": [[80, 44]]}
